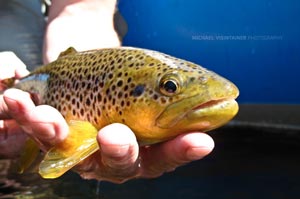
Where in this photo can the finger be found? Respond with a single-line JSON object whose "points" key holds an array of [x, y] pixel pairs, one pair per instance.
{"points": [[21, 72], [119, 148], [11, 65], [3, 109], [12, 139], [47, 125], [19, 105], [163, 157], [117, 160], [44, 123]]}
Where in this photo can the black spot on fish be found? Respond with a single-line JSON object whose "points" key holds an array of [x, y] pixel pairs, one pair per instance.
{"points": [[120, 83], [99, 97], [138, 90], [163, 100], [68, 97], [122, 103], [107, 91], [103, 76], [120, 60], [120, 94], [88, 101], [82, 112], [89, 76], [101, 84], [89, 85], [96, 81]]}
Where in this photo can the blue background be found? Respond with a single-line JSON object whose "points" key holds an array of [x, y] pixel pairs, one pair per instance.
{"points": [[254, 43]]}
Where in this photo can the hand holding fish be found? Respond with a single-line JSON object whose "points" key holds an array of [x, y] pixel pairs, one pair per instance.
{"points": [[120, 158]]}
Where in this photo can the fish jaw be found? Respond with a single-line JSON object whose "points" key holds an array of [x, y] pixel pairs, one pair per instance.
{"points": [[210, 115]]}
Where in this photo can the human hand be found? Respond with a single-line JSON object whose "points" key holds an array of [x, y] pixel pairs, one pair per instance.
{"points": [[120, 158], [11, 137], [23, 114]]}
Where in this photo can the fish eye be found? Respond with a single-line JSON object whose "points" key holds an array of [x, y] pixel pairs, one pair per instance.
{"points": [[169, 86]]}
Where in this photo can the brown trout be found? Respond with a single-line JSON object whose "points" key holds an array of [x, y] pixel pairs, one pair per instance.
{"points": [[158, 96]]}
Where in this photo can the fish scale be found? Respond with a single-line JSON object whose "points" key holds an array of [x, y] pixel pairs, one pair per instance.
{"points": [[158, 96]]}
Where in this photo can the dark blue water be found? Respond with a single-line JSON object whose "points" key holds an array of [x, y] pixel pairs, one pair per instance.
{"points": [[255, 44]]}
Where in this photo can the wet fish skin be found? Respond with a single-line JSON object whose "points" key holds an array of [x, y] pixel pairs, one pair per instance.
{"points": [[158, 96]]}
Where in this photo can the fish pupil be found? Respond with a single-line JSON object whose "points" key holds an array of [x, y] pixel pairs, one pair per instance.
{"points": [[170, 86]]}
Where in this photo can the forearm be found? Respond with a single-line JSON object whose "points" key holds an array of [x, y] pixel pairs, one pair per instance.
{"points": [[85, 24], [86, 7]]}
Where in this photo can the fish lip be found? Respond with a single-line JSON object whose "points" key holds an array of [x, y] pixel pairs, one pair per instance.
{"points": [[211, 103]]}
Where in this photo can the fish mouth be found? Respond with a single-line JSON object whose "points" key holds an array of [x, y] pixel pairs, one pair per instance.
{"points": [[202, 116], [210, 115], [210, 104]]}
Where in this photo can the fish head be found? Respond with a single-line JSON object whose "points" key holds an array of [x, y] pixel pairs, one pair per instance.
{"points": [[172, 96]]}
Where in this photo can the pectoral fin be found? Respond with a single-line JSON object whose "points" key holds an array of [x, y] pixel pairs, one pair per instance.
{"points": [[80, 143]]}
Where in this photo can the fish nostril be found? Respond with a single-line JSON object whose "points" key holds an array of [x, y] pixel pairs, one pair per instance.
{"points": [[203, 79]]}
